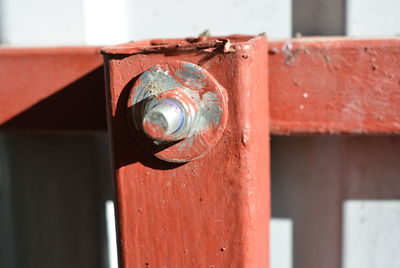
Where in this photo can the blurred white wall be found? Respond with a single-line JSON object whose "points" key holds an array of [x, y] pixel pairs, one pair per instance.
{"points": [[42, 22], [98, 22], [371, 233], [184, 18], [373, 18], [281, 243]]}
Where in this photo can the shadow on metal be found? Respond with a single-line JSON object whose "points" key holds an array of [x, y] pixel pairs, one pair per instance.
{"points": [[80, 106]]}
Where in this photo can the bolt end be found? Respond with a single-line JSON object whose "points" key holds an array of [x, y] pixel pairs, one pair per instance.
{"points": [[155, 126], [163, 120]]}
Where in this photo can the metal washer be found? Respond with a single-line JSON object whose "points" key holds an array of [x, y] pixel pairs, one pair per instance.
{"points": [[192, 85]]}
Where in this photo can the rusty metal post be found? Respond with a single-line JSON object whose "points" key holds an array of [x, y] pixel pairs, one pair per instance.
{"points": [[189, 124]]}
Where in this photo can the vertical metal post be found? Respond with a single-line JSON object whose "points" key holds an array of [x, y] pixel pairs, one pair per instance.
{"points": [[202, 200]]}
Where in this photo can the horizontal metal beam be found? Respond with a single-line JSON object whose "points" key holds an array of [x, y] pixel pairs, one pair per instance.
{"points": [[317, 86], [335, 86], [55, 89]]}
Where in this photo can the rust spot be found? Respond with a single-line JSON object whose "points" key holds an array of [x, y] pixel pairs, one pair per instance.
{"points": [[289, 53], [273, 51], [328, 58], [153, 88], [228, 46]]}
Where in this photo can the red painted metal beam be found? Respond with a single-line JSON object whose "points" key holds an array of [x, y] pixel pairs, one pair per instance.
{"points": [[212, 211], [335, 86], [52, 89], [317, 86]]}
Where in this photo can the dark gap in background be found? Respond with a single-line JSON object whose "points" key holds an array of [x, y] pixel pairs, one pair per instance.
{"points": [[318, 17]]}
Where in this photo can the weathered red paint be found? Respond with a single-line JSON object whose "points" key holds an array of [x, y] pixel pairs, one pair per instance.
{"points": [[335, 86], [210, 212], [52, 89], [319, 86]]}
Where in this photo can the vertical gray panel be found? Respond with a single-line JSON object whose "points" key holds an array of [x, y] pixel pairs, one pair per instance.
{"points": [[58, 186], [7, 241], [313, 176], [306, 189], [318, 17]]}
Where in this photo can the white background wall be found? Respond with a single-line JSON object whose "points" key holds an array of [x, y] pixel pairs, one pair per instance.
{"points": [[79, 22], [373, 18], [371, 233]]}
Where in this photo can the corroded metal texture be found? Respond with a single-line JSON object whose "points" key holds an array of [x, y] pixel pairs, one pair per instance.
{"points": [[181, 94], [335, 86], [210, 212]]}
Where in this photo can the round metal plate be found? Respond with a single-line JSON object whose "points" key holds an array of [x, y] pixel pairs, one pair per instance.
{"points": [[192, 85]]}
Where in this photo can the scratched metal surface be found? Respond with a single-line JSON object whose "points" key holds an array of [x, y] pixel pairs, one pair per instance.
{"points": [[204, 98]]}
